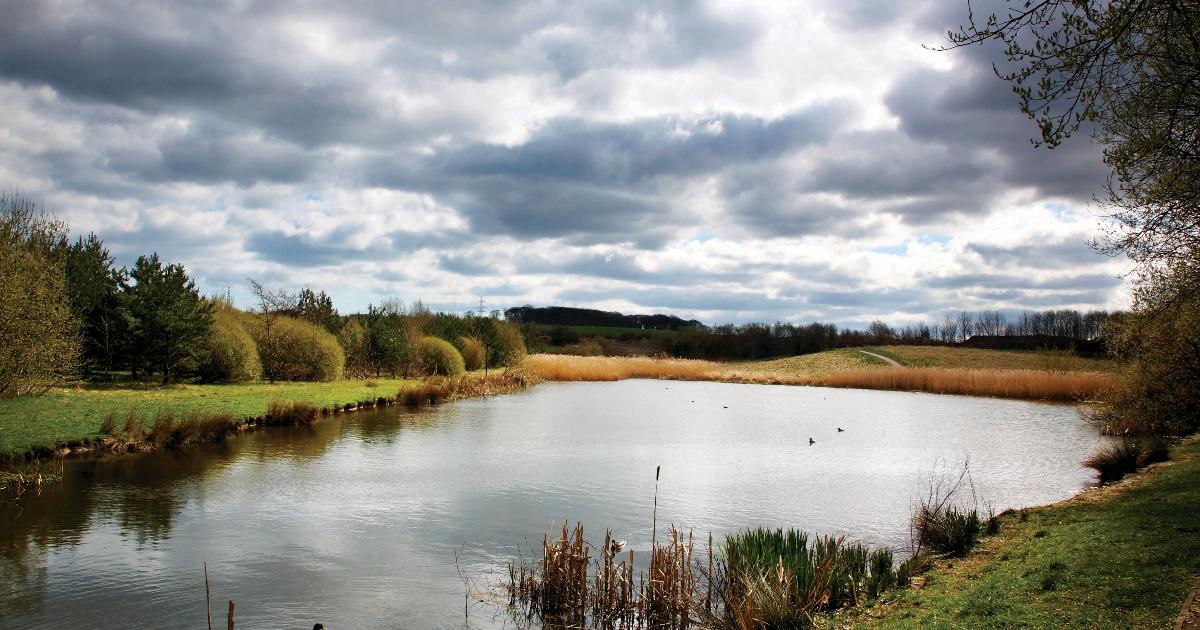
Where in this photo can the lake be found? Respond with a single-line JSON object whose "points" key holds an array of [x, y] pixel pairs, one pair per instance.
{"points": [[357, 521]]}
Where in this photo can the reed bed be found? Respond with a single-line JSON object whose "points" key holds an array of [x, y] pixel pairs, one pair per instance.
{"points": [[781, 579], [554, 367], [1025, 384], [439, 389], [1022, 384], [567, 588], [764, 579]]}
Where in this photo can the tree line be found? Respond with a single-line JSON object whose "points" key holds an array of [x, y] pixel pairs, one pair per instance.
{"points": [[68, 311], [1058, 329], [1129, 72], [570, 316]]}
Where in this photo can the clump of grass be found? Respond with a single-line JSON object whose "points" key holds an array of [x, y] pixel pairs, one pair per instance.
{"points": [[947, 529], [913, 566], [1115, 460], [109, 426], [991, 526], [947, 520], [164, 426], [283, 413], [778, 579], [133, 425]]}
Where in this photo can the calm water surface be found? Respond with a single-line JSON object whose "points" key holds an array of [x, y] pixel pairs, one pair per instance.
{"points": [[355, 521]]}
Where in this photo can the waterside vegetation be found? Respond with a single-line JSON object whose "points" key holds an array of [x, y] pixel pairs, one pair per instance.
{"points": [[826, 370], [105, 419], [1121, 556]]}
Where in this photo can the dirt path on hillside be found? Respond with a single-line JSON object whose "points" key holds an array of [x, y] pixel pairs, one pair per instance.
{"points": [[891, 362], [1189, 618]]}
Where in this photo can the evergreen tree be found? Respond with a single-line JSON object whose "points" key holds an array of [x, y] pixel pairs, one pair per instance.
{"points": [[318, 309], [93, 288], [169, 321]]}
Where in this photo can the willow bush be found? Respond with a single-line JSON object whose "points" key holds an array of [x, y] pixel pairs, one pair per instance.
{"points": [[438, 356], [39, 339], [304, 351], [232, 356], [474, 353]]}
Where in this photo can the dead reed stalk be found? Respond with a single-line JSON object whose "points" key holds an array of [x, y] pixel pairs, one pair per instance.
{"points": [[554, 367], [1024, 384], [1021, 384]]}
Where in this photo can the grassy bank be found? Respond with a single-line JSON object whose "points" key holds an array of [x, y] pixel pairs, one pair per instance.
{"points": [[74, 416], [1123, 556]]}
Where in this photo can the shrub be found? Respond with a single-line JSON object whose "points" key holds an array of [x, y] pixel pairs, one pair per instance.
{"points": [[39, 338], [505, 341], [1114, 461], [1160, 394], [473, 352], [355, 341], [437, 356], [1153, 449], [232, 355], [947, 529], [305, 351]]}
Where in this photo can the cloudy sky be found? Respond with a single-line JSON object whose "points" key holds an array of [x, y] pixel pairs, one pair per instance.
{"points": [[726, 161]]}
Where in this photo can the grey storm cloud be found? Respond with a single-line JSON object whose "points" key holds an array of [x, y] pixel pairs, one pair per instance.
{"points": [[1064, 253], [121, 104], [992, 281], [602, 182]]}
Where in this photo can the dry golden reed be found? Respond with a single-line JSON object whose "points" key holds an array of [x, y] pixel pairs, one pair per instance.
{"points": [[561, 367], [1025, 384], [1022, 384]]}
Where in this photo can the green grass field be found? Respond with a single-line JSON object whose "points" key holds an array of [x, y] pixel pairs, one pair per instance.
{"points": [[1125, 556], [815, 364], [66, 414], [976, 358]]}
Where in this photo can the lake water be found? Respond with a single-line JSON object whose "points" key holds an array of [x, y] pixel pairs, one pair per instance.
{"points": [[356, 521]]}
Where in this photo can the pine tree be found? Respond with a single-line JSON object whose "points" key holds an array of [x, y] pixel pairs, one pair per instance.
{"points": [[169, 321]]}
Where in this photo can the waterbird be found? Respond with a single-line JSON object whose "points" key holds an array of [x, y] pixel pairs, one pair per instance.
{"points": [[840, 430], [724, 406], [811, 441], [616, 546]]}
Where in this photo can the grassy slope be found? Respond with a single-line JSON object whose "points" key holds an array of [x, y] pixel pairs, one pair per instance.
{"points": [[815, 364], [65, 414], [975, 358], [1119, 557]]}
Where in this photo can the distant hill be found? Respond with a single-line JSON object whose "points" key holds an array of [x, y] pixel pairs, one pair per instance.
{"points": [[567, 316]]}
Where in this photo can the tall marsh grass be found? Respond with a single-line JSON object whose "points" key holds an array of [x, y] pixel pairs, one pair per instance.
{"points": [[553, 367], [568, 588], [763, 579], [1023, 384]]}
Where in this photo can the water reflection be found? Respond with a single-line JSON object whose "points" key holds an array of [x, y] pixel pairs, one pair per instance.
{"points": [[355, 520]]}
